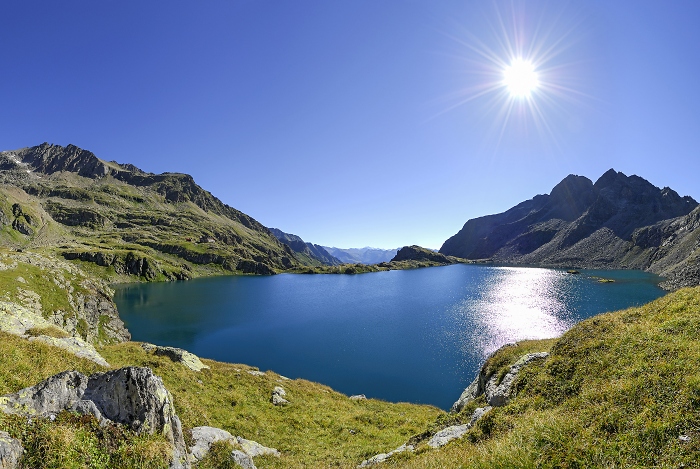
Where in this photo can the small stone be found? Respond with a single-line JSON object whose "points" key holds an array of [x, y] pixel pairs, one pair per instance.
{"points": [[358, 397], [684, 438], [256, 373]]}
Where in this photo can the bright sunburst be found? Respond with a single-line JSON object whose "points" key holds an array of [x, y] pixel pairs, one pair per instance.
{"points": [[520, 78], [518, 71]]}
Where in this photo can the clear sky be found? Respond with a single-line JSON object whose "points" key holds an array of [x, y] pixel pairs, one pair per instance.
{"points": [[363, 122]]}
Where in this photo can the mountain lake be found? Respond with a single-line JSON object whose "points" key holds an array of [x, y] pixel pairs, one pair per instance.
{"points": [[406, 335]]}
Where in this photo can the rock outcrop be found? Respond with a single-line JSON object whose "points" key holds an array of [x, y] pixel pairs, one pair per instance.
{"points": [[497, 392], [131, 396], [204, 437], [454, 432], [383, 457], [178, 355], [18, 320], [618, 222], [82, 306]]}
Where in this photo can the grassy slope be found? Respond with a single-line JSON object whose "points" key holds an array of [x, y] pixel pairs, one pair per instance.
{"points": [[617, 391]]}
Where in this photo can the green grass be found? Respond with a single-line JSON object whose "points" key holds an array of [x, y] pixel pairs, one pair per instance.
{"points": [[320, 427]]}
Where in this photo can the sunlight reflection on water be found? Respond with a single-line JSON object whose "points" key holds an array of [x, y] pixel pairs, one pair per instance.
{"points": [[514, 304]]}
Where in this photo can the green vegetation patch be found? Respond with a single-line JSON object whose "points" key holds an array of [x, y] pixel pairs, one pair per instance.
{"points": [[319, 428]]}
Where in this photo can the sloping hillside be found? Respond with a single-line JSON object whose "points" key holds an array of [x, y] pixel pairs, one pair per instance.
{"points": [[127, 222]]}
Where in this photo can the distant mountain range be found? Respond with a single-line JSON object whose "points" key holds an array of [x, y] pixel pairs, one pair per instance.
{"points": [[366, 255], [312, 254], [617, 222]]}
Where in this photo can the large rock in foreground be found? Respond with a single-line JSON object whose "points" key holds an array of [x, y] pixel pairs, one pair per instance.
{"points": [[132, 396]]}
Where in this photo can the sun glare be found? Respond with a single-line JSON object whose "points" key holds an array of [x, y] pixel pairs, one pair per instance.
{"points": [[520, 78]]}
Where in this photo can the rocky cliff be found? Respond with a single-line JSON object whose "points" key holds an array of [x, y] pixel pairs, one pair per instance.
{"points": [[617, 222], [127, 222]]}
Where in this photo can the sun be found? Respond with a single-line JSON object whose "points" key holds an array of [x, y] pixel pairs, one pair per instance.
{"points": [[520, 78]]}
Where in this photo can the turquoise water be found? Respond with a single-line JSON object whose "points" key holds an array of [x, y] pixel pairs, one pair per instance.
{"points": [[410, 335]]}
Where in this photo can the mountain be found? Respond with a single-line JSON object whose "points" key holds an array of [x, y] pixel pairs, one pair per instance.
{"points": [[312, 254], [366, 255], [617, 222], [125, 221]]}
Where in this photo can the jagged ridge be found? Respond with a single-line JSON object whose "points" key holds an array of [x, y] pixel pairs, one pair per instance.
{"points": [[618, 222]]}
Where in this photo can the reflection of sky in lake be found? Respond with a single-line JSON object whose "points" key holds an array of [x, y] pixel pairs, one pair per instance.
{"points": [[514, 304]]}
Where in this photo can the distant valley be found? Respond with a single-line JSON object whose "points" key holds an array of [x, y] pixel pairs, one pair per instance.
{"points": [[366, 255]]}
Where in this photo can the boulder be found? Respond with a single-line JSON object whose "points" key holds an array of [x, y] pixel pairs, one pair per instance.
{"points": [[178, 355], [278, 396], [358, 397], [204, 437], [10, 451], [132, 396]]}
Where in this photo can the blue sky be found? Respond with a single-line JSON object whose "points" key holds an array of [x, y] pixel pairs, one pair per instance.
{"points": [[354, 123]]}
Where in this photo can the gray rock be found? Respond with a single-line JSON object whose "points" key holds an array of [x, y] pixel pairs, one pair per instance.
{"points": [[242, 459], [204, 437], [382, 457], [51, 396], [278, 395], [131, 396], [178, 355], [254, 449], [74, 345], [498, 394], [358, 397], [448, 434], [10, 451], [256, 373]]}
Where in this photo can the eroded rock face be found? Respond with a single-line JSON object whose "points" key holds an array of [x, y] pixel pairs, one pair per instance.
{"points": [[10, 451], [132, 396], [88, 313]]}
